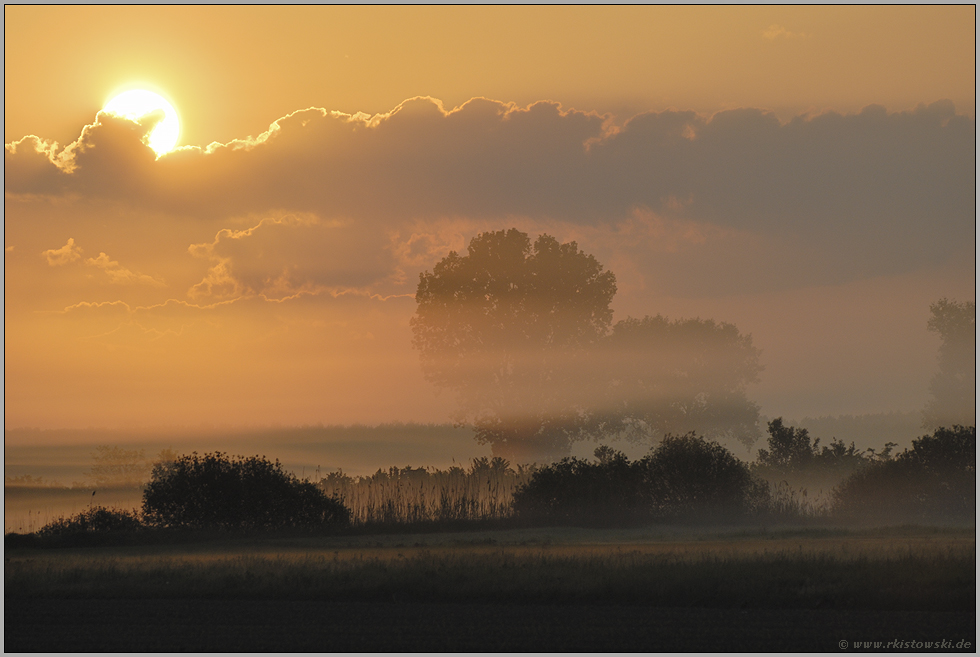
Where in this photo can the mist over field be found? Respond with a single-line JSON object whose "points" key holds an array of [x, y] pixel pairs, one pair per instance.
{"points": [[65, 456]]}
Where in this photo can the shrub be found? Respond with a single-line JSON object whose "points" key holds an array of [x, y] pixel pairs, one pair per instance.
{"points": [[688, 477], [96, 519], [684, 478], [572, 490], [934, 480], [220, 492]]}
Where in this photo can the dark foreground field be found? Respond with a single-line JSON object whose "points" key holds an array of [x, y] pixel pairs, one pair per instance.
{"points": [[85, 625], [529, 590]]}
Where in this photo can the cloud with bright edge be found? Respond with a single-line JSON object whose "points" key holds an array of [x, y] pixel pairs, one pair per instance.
{"points": [[67, 254], [119, 274]]}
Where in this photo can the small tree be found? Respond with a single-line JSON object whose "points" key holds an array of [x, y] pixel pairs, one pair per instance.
{"points": [[800, 462], [789, 448], [954, 387], [221, 492]]}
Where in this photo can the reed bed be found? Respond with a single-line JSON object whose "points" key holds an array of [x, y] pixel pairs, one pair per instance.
{"points": [[484, 491], [789, 504]]}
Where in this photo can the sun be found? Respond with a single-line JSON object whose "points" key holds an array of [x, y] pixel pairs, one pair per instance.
{"points": [[136, 104]]}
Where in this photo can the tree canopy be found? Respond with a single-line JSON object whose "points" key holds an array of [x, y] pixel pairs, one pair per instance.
{"points": [[509, 327]]}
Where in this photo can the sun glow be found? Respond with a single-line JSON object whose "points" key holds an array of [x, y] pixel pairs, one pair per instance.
{"points": [[136, 104]]}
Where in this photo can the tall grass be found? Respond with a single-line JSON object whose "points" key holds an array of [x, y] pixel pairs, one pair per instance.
{"points": [[789, 504], [484, 491]]}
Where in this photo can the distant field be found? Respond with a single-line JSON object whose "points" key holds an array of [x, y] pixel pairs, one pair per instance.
{"points": [[881, 575]]}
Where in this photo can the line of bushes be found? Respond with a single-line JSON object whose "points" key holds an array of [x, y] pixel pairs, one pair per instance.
{"points": [[690, 479], [684, 479]]}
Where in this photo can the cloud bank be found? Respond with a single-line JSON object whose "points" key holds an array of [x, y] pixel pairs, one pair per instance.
{"points": [[888, 191]]}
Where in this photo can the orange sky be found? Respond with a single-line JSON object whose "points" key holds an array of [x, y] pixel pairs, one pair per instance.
{"points": [[232, 71], [723, 162]]}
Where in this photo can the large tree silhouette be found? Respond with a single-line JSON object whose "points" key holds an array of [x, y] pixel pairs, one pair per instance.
{"points": [[521, 333], [510, 327], [954, 388]]}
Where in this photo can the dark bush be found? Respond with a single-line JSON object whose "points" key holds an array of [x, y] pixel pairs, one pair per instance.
{"points": [[934, 480], [216, 491], [690, 478], [13, 541], [575, 491], [684, 478], [96, 519]]}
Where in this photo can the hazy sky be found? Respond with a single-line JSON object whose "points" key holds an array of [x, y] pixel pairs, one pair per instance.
{"points": [[805, 173]]}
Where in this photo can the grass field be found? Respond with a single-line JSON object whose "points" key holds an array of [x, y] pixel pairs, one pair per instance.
{"points": [[918, 580], [899, 569]]}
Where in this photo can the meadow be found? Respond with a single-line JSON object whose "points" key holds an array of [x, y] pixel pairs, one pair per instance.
{"points": [[898, 569], [820, 581]]}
